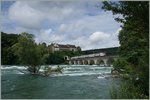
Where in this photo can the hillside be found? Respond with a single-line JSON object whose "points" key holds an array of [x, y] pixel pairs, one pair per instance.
{"points": [[108, 51]]}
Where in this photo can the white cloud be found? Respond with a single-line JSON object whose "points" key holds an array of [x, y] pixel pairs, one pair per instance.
{"points": [[48, 36], [48, 31], [24, 15], [63, 28], [99, 36], [66, 22], [31, 14], [114, 36], [117, 32], [44, 35]]}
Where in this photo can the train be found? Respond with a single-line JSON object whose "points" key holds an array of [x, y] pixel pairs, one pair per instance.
{"points": [[90, 55]]}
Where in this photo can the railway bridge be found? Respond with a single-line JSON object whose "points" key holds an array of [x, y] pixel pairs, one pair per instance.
{"points": [[93, 59]]}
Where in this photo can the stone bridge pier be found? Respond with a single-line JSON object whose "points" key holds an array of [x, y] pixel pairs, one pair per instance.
{"points": [[93, 59]]}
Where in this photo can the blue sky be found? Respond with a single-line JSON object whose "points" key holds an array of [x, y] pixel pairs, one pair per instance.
{"points": [[83, 24]]}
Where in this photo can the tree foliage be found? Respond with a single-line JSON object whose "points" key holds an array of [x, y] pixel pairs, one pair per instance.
{"points": [[7, 55], [134, 39], [108, 51], [28, 52]]}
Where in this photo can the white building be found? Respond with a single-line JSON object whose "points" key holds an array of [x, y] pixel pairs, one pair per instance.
{"points": [[61, 47]]}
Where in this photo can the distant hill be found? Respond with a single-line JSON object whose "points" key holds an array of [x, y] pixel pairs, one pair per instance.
{"points": [[108, 51]]}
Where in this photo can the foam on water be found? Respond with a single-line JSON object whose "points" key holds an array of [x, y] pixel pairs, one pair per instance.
{"points": [[68, 70], [13, 67], [100, 77], [20, 73], [74, 74]]}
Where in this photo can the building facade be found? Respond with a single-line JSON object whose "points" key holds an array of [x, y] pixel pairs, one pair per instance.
{"points": [[61, 47]]}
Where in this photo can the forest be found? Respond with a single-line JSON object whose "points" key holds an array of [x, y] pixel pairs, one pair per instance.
{"points": [[133, 62], [9, 56]]}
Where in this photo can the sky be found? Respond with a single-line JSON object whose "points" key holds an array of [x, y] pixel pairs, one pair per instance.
{"points": [[81, 23]]}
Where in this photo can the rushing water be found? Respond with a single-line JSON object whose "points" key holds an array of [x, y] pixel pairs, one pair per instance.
{"points": [[76, 81]]}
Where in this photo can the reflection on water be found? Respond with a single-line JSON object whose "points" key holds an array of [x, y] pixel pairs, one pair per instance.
{"points": [[76, 81]]}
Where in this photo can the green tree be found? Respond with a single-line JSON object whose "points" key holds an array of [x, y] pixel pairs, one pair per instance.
{"points": [[55, 58], [134, 39], [7, 55], [28, 52]]}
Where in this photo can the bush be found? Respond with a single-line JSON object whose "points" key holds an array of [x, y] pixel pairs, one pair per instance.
{"points": [[48, 70], [127, 90]]}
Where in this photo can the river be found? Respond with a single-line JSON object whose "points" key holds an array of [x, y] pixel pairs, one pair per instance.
{"points": [[76, 82]]}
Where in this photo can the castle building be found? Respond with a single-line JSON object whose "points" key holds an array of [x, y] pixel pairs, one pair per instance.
{"points": [[61, 47]]}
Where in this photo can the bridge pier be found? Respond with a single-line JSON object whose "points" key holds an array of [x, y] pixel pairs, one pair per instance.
{"points": [[79, 62], [74, 62], [105, 61], [88, 62], [70, 62], [83, 62], [95, 61]]}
